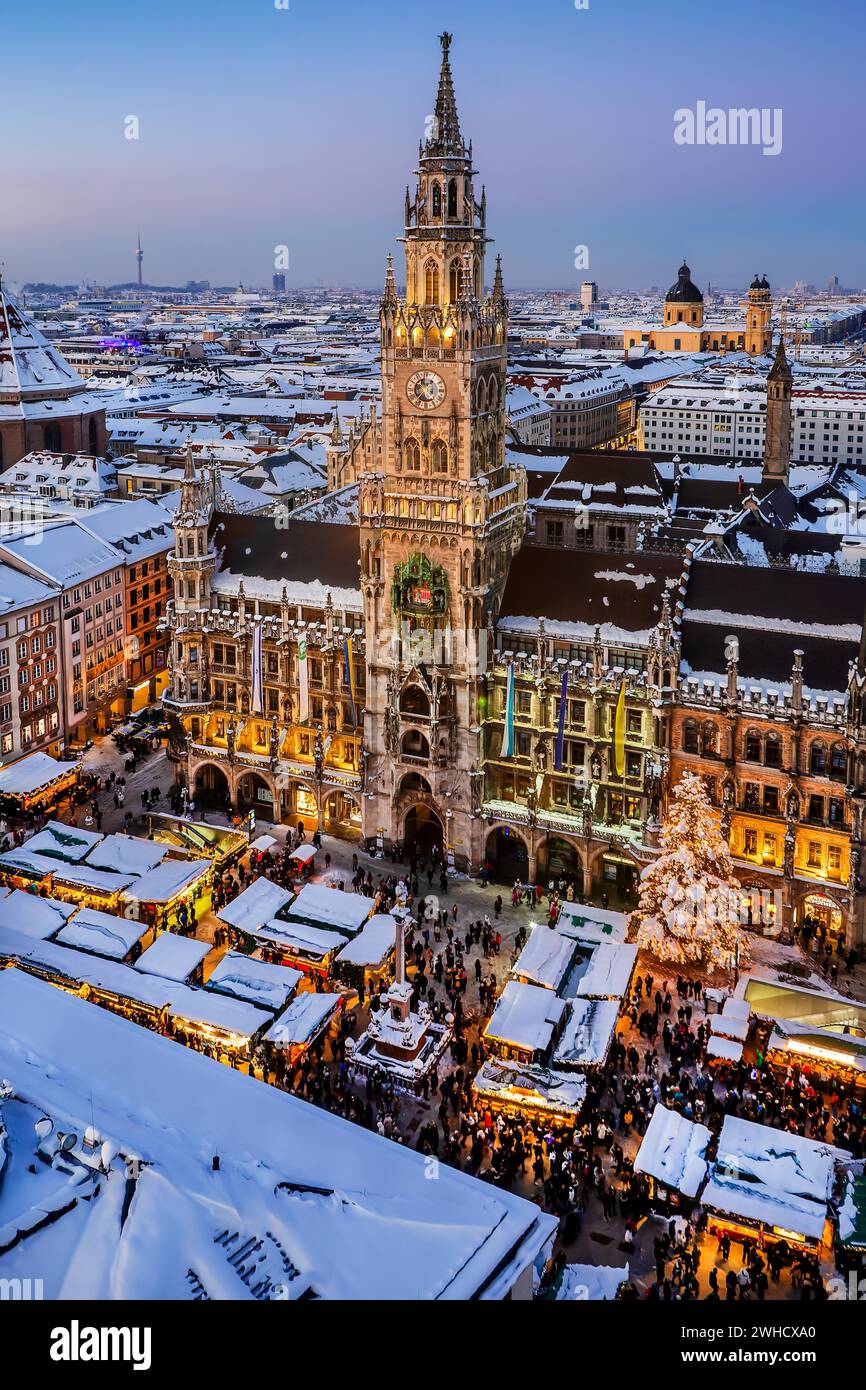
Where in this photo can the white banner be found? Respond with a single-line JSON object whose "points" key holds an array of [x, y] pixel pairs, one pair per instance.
{"points": [[304, 681]]}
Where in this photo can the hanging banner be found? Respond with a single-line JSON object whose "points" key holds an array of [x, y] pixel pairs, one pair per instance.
{"points": [[350, 683], [508, 732], [619, 732], [560, 729], [303, 681], [257, 690]]}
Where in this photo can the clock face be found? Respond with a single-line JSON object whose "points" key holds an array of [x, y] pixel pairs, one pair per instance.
{"points": [[425, 390]]}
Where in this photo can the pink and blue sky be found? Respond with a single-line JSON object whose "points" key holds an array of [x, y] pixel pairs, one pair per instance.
{"points": [[262, 126]]}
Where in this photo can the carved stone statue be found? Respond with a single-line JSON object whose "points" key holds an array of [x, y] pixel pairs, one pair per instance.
{"points": [[231, 735], [274, 744], [541, 754], [319, 755]]}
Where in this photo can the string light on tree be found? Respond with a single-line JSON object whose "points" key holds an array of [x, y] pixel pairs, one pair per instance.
{"points": [[689, 905]]}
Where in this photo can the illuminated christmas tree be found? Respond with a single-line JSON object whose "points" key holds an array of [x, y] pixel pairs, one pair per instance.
{"points": [[689, 905]]}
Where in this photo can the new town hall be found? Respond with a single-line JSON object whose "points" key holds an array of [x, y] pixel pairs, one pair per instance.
{"points": [[351, 670]]}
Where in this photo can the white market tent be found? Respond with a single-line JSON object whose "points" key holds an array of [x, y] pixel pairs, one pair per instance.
{"points": [[322, 906], [373, 945], [561, 1094], [263, 842], [725, 1026], [724, 1048], [609, 973], [256, 905], [59, 843], [772, 1177], [526, 1017], [296, 938], [268, 986], [546, 959], [308, 1015], [673, 1151], [588, 1033], [166, 881], [30, 774], [127, 854], [173, 957], [32, 915], [351, 1206], [101, 933], [303, 854]]}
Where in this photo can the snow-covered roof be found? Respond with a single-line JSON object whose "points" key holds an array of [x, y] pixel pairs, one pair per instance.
{"points": [[299, 938], [526, 1016], [33, 916], [341, 1212], [545, 959], [673, 1150], [585, 922], [307, 1015], [30, 368], [126, 854], [609, 973], [173, 957], [37, 770], [518, 1083], [373, 944], [319, 904], [101, 933], [593, 1283], [588, 1033], [779, 1179], [269, 986], [724, 1048], [257, 904], [62, 843], [166, 880]]}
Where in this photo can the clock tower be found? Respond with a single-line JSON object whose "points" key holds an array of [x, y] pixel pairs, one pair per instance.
{"points": [[441, 511]]}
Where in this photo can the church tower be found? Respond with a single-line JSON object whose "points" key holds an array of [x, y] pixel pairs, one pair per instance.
{"points": [[777, 445], [191, 567], [441, 511], [759, 311]]}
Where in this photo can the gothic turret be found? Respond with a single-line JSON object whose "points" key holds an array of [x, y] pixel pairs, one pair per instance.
{"points": [[777, 447]]}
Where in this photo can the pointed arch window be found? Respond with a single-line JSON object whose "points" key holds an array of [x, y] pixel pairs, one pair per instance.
{"points": [[439, 456], [412, 456], [454, 281], [437, 200], [452, 198], [431, 283]]}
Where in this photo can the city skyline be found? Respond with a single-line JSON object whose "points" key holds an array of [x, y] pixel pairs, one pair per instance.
{"points": [[217, 182]]}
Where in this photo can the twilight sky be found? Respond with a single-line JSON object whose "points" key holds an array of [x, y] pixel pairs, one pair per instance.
{"points": [[262, 126]]}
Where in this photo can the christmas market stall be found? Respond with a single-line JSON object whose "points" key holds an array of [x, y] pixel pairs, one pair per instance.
{"points": [[609, 974], [33, 915], [585, 922], [526, 1091], [54, 847], [198, 839], [769, 1185], [302, 1023], [162, 891], [729, 1030], [546, 959], [302, 860], [672, 1155], [319, 905], [174, 957], [588, 1034], [86, 886], [590, 1283], [35, 783], [255, 981], [259, 902], [364, 962], [309, 949], [525, 1023], [104, 934], [820, 1031]]}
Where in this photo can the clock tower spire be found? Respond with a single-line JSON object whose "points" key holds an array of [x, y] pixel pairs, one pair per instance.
{"points": [[442, 512]]}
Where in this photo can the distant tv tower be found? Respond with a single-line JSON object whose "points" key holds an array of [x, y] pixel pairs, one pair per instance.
{"points": [[139, 256]]}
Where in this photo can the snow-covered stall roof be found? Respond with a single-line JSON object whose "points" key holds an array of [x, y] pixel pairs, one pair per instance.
{"points": [[303, 853], [173, 957], [516, 1083], [302, 1021], [673, 1150], [585, 922], [32, 915], [373, 944], [182, 1002], [85, 876], [101, 933], [164, 882], [256, 905], [588, 1033], [609, 973], [320, 905], [526, 1016], [31, 773], [724, 1048], [781, 1180], [593, 1283], [546, 958], [349, 1209], [723, 1025], [59, 843], [127, 854], [269, 986], [298, 938]]}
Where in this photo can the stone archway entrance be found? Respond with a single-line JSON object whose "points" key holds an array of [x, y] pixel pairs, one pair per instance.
{"points": [[559, 858], [507, 855], [422, 830], [824, 912], [211, 788], [255, 794]]}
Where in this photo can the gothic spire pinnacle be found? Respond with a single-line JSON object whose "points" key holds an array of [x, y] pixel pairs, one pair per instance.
{"points": [[390, 296], [445, 136], [781, 366], [498, 286]]}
